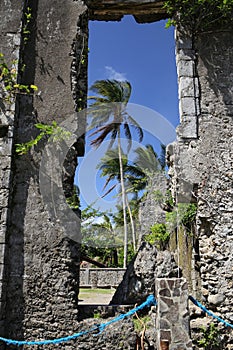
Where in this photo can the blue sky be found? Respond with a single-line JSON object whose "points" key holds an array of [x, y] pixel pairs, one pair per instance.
{"points": [[144, 54]]}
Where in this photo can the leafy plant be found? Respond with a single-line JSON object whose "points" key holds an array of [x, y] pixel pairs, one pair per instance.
{"points": [[188, 214], [158, 236], [184, 214], [55, 132], [131, 254], [140, 322], [210, 338], [73, 201], [8, 77], [97, 315], [199, 15], [27, 19], [165, 201]]}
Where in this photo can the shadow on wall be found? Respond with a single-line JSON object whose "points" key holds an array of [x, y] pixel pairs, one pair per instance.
{"points": [[215, 57], [13, 306]]}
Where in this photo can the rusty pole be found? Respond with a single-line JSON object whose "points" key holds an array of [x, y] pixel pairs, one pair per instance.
{"points": [[164, 344]]}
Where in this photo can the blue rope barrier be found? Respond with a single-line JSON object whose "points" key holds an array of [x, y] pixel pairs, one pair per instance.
{"points": [[100, 328], [197, 303]]}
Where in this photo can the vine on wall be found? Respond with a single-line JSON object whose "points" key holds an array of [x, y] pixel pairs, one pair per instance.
{"points": [[9, 87], [199, 15]]}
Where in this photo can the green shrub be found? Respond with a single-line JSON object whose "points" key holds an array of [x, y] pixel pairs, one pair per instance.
{"points": [[210, 338], [158, 236]]}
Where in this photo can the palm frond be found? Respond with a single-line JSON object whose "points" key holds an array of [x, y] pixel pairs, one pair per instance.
{"points": [[128, 136], [104, 131], [108, 191], [135, 171], [137, 127], [110, 178], [147, 159], [162, 157], [112, 90]]}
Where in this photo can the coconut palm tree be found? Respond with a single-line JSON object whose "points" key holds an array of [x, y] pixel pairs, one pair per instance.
{"points": [[110, 118], [109, 167]]}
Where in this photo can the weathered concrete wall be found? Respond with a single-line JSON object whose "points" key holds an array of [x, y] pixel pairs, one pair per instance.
{"points": [[10, 13], [151, 211], [38, 266], [201, 160], [139, 279], [96, 277], [40, 277]]}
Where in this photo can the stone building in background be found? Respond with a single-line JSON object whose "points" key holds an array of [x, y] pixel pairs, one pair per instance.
{"points": [[39, 266]]}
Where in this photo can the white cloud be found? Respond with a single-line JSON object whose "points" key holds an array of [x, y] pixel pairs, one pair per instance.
{"points": [[112, 74]]}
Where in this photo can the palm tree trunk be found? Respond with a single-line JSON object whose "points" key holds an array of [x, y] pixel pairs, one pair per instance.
{"points": [[132, 224], [123, 201]]}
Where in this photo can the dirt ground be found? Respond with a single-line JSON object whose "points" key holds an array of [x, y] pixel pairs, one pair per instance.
{"points": [[95, 296]]}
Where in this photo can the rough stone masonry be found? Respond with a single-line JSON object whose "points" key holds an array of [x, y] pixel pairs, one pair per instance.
{"points": [[39, 274], [39, 266], [203, 157]]}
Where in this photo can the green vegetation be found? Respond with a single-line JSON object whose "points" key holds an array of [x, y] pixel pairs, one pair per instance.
{"points": [[9, 87], [159, 236], [199, 15], [210, 338], [97, 315], [183, 214], [113, 122], [140, 322], [55, 132], [27, 20], [140, 325], [99, 231], [95, 291], [73, 201]]}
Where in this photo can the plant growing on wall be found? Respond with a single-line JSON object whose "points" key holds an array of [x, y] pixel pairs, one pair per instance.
{"points": [[199, 15], [184, 214], [159, 236], [9, 87], [27, 20], [55, 132]]}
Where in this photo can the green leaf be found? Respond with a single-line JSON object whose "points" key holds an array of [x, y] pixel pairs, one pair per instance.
{"points": [[34, 87]]}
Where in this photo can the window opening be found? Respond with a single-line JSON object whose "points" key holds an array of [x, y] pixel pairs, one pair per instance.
{"points": [[143, 54]]}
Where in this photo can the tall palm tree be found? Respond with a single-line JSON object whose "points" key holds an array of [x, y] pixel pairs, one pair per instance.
{"points": [[109, 118], [109, 166]]}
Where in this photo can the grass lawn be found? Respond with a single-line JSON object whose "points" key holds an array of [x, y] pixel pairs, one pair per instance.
{"points": [[95, 296], [96, 290]]}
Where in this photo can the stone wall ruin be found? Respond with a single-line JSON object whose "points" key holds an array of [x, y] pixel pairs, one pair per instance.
{"points": [[38, 266]]}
